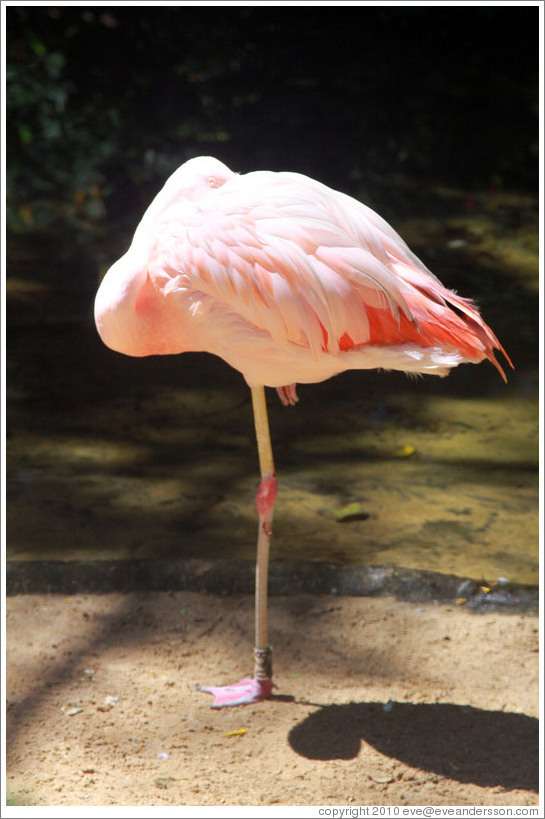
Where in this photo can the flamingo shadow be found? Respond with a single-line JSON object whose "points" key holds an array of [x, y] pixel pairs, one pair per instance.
{"points": [[487, 748]]}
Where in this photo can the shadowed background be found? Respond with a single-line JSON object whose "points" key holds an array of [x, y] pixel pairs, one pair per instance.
{"points": [[429, 115]]}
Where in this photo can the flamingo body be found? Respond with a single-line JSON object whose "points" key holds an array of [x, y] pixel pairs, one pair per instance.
{"points": [[285, 279], [288, 281]]}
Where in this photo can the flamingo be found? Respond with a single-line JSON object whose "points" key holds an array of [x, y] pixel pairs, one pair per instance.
{"points": [[289, 282]]}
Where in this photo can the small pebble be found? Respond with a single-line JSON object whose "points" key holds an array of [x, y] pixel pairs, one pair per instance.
{"points": [[162, 755]]}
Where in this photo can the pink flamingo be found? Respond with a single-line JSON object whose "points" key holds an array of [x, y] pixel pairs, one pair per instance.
{"points": [[288, 281]]}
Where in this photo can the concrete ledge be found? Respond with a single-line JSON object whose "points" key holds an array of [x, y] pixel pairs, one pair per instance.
{"points": [[227, 577]]}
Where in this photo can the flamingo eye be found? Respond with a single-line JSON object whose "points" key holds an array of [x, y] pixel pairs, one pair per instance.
{"points": [[212, 181]]}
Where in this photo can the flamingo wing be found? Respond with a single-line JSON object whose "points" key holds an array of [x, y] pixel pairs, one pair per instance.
{"points": [[266, 249], [284, 255]]}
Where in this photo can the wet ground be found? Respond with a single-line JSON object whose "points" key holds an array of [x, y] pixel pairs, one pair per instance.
{"points": [[116, 458]]}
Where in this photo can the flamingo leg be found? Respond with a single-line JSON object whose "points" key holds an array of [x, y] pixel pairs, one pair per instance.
{"points": [[258, 687], [265, 498]]}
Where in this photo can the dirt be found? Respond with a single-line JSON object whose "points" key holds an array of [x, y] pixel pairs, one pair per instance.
{"points": [[379, 702]]}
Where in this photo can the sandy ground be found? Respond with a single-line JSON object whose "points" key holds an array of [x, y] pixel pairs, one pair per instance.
{"points": [[379, 702]]}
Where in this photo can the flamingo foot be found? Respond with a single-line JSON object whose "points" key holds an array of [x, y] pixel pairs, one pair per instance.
{"points": [[244, 692], [288, 395]]}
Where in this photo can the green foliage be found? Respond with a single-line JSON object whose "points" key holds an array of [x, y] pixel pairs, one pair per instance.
{"points": [[55, 168]]}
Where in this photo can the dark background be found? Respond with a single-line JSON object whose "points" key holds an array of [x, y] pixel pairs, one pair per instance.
{"points": [[103, 103], [429, 115]]}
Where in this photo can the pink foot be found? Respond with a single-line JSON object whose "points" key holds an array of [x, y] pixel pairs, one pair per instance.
{"points": [[243, 692], [288, 394]]}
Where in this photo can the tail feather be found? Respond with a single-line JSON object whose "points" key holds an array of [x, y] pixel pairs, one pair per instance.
{"points": [[447, 320], [474, 327]]}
